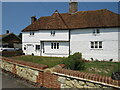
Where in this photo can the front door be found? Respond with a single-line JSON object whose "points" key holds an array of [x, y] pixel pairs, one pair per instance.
{"points": [[30, 49]]}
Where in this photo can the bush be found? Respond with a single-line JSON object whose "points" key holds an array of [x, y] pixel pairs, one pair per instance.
{"points": [[74, 62]]}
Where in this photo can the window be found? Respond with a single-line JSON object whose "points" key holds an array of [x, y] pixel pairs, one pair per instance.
{"points": [[96, 44], [31, 33], [96, 31], [25, 47], [53, 33], [54, 45], [37, 47]]}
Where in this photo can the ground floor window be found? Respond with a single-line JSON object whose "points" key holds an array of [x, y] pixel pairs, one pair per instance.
{"points": [[37, 47], [54, 45], [96, 44], [24, 47]]}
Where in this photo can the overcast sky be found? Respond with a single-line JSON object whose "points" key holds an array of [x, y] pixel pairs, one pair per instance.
{"points": [[16, 15]]}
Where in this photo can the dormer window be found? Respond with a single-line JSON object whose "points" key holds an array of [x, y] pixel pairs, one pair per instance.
{"points": [[31, 33], [53, 33]]}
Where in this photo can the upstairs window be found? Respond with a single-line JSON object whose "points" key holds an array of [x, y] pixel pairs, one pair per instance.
{"points": [[31, 33], [53, 33], [96, 45], [54, 45], [96, 32]]}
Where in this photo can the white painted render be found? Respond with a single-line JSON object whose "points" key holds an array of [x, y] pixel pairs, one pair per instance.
{"points": [[63, 50], [79, 42], [44, 36]]}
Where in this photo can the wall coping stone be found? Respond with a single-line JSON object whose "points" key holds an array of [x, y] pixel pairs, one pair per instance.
{"points": [[94, 78], [35, 66]]}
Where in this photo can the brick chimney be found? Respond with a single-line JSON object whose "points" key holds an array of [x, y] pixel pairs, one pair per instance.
{"points": [[73, 6], [33, 19], [7, 31]]}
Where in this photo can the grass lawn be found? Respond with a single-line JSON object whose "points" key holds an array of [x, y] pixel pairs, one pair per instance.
{"points": [[50, 61], [102, 68]]}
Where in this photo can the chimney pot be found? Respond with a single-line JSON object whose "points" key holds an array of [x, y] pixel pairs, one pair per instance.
{"points": [[33, 19], [73, 6], [7, 31]]}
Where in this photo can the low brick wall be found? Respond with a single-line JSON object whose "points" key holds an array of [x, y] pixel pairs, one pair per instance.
{"points": [[56, 77], [76, 79]]}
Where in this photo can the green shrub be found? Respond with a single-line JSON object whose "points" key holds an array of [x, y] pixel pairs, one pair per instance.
{"points": [[74, 62]]}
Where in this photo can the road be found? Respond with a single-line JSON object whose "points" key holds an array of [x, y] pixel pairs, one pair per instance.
{"points": [[8, 81]]}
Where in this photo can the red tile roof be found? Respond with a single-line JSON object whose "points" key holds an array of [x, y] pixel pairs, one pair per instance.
{"points": [[81, 19]]}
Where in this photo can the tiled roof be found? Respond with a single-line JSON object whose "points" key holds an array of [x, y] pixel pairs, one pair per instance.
{"points": [[81, 19], [5, 35]]}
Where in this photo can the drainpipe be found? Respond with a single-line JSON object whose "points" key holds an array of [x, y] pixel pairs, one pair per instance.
{"points": [[69, 40]]}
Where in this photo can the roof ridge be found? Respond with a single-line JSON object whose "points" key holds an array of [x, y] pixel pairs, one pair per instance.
{"points": [[80, 19]]}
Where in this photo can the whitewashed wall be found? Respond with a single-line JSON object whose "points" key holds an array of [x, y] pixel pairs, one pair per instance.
{"points": [[63, 50], [45, 35], [80, 42]]}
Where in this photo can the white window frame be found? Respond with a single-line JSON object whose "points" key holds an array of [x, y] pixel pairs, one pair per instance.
{"points": [[96, 44], [32, 33], [55, 45], [96, 32], [52, 33], [37, 47]]}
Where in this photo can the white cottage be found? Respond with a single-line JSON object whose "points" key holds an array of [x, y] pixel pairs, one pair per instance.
{"points": [[93, 33]]}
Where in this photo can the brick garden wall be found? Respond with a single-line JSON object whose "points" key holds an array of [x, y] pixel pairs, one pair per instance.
{"points": [[56, 77]]}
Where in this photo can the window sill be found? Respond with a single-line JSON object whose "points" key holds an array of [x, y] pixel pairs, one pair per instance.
{"points": [[97, 49], [31, 35], [95, 34]]}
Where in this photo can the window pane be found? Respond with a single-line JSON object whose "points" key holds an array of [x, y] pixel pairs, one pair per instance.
{"points": [[51, 45], [24, 48], [92, 44], [32, 33], [57, 45], [93, 31], [100, 44], [51, 32], [54, 45], [37, 47], [98, 31], [96, 44]]}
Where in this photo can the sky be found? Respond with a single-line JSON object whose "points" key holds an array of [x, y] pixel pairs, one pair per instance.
{"points": [[17, 15]]}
